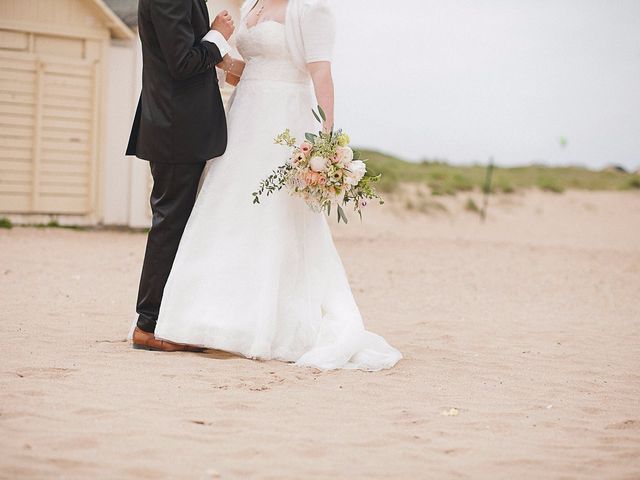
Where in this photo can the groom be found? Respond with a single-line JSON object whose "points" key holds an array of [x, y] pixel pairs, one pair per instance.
{"points": [[179, 124]]}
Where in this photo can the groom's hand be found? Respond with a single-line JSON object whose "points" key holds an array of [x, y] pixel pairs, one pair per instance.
{"points": [[223, 23]]}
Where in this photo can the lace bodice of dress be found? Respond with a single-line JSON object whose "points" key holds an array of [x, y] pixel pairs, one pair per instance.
{"points": [[264, 49]]}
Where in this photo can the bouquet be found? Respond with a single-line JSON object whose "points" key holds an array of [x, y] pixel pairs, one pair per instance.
{"points": [[322, 170]]}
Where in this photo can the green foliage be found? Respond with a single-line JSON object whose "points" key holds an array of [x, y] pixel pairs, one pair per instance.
{"points": [[273, 182], [6, 223], [503, 185], [471, 206], [444, 179], [285, 138], [425, 206], [633, 183], [549, 184]]}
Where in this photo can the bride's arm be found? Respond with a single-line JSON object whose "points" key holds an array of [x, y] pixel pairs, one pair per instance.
{"points": [[233, 68], [323, 86]]}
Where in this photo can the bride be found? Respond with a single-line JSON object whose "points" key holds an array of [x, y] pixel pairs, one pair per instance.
{"points": [[265, 281]]}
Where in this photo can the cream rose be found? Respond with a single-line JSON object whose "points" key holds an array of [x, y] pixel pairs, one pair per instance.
{"points": [[345, 155], [318, 164], [356, 172]]}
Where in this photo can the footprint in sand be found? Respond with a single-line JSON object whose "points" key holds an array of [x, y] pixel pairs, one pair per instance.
{"points": [[626, 425], [45, 372], [91, 412]]}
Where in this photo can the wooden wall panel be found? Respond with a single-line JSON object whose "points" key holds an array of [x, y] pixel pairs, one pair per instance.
{"points": [[59, 46], [11, 40], [47, 133], [66, 159], [17, 113], [70, 15]]}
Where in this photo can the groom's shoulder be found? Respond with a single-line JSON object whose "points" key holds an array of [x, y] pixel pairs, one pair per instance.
{"points": [[161, 3]]}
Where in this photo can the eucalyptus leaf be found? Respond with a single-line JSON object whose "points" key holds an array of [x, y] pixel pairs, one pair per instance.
{"points": [[324, 117], [311, 137], [341, 215], [316, 115]]}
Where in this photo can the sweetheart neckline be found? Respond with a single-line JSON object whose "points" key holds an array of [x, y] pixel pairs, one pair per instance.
{"points": [[248, 28]]}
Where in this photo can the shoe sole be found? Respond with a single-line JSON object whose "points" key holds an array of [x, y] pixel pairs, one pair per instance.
{"points": [[151, 349], [142, 347]]}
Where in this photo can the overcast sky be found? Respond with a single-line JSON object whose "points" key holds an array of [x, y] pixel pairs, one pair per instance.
{"points": [[462, 80]]}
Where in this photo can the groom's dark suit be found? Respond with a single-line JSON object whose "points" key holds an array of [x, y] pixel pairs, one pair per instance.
{"points": [[179, 125]]}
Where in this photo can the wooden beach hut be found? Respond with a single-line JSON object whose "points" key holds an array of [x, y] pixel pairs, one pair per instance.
{"points": [[53, 65], [70, 75]]}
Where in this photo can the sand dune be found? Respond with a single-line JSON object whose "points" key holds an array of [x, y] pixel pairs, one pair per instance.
{"points": [[521, 338]]}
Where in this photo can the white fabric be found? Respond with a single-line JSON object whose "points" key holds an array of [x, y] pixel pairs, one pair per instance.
{"points": [[265, 281], [222, 77], [215, 37], [310, 30]]}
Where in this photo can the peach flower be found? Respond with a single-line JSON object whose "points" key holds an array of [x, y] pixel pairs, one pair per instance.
{"points": [[305, 148]]}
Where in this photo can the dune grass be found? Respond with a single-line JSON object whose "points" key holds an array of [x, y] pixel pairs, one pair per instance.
{"points": [[445, 179]]}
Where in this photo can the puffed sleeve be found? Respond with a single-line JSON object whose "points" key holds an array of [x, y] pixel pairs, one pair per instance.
{"points": [[318, 31]]}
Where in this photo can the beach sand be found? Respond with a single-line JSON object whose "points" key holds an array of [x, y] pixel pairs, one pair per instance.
{"points": [[521, 339]]}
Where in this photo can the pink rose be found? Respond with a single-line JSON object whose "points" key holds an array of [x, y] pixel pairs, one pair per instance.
{"points": [[303, 179], [312, 178]]}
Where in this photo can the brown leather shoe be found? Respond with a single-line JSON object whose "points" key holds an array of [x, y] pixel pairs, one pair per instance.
{"points": [[147, 341]]}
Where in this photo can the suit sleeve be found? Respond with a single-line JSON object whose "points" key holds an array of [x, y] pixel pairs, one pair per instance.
{"points": [[185, 55]]}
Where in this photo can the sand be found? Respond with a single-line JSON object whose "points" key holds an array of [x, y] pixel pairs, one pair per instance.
{"points": [[524, 330]]}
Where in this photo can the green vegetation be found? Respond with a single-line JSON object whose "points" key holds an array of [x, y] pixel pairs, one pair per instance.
{"points": [[55, 224], [633, 182], [471, 206], [445, 179], [6, 223], [423, 205], [548, 183]]}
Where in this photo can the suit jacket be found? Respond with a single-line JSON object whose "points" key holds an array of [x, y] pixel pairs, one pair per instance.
{"points": [[180, 116]]}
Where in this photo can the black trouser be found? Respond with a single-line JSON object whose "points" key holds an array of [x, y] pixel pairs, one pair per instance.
{"points": [[172, 199]]}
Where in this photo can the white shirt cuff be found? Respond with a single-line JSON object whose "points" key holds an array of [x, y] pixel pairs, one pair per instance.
{"points": [[218, 40]]}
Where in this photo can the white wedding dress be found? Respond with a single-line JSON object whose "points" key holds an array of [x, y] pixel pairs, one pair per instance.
{"points": [[265, 281]]}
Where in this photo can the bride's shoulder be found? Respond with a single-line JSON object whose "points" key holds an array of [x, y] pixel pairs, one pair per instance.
{"points": [[318, 8], [317, 4]]}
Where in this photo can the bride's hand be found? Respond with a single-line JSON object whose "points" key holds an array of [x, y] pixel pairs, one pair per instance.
{"points": [[233, 68], [323, 86]]}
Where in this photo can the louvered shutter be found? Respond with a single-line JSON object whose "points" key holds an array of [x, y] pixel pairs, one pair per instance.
{"points": [[48, 110]]}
